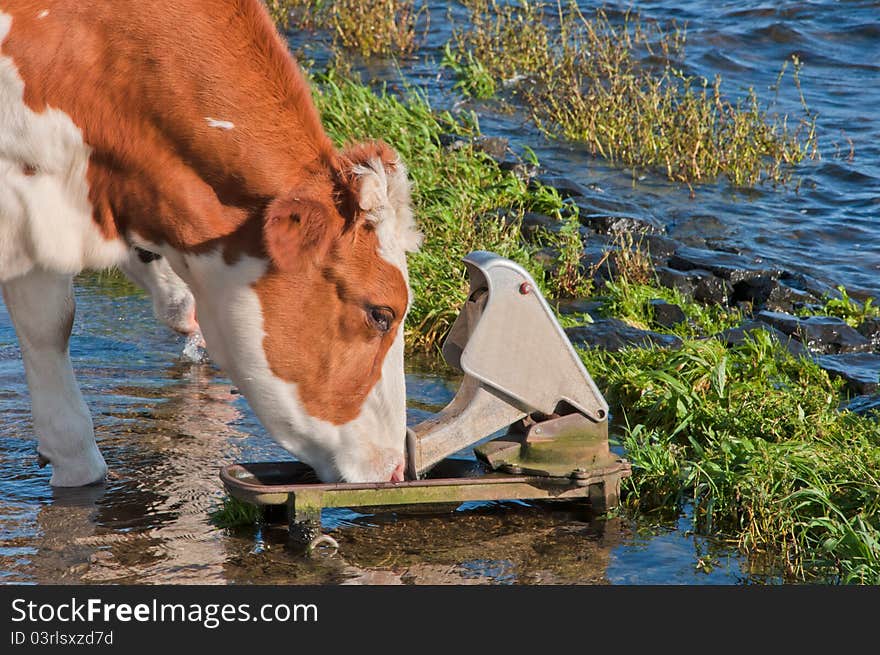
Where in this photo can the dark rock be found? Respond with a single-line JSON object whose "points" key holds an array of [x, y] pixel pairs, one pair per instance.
{"points": [[593, 200], [770, 293], [864, 405], [454, 141], [860, 370], [810, 285], [566, 187], [737, 335], [831, 335], [533, 224], [698, 284], [546, 257], [520, 169], [666, 314], [783, 322], [728, 266], [613, 335], [578, 306], [596, 258], [494, 146], [659, 247], [615, 225], [821, 334], [870, 329]]}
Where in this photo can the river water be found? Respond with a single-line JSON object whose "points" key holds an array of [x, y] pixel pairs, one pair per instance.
{"points": [[165, 425]]}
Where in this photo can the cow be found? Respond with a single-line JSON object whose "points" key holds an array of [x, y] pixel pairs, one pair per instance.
{"points": [[185, 129], [173, 302]]}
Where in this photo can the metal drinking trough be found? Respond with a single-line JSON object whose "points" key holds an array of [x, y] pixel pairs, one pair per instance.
{"points": [[520, 374]]}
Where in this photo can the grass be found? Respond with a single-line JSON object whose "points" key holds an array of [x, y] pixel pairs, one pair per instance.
{"points": [[849, 309], [750, 435], [619, 88], [233, 513], [458, 195], [369, 27]]}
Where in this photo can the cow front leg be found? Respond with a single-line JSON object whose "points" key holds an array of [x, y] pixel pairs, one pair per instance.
{"points": [[42, 307]]}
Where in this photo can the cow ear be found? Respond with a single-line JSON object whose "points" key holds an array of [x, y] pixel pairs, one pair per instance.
{"points": [[292, 230]]}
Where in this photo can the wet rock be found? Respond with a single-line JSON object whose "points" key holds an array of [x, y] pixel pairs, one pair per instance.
{"points": [[729, 266], [453, 141], [737, 335], [810, 285], [832, 335], [821, 334], [666, 314], [494, 146], [534, 224], [621, 224], [770, 293], [698, 284], [870, 329], [566, 187], [782, 321], [592, 200], [579, 306], [659, 247], [596, 258], [525, 171], [613, 335], [864, 405], [861, 371]]}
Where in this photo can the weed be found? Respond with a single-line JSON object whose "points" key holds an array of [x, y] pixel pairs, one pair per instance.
{"points": [[589, 79], [850, 310], [234, 513]]}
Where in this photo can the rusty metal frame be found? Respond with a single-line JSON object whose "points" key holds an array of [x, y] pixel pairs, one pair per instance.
{"points": [[280, 483]]}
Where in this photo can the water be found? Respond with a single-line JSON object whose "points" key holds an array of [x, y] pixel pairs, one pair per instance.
{"points": [[828, 227], [166, 423]]}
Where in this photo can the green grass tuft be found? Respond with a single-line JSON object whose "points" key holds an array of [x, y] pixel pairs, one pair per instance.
{"points": [[233, 513]]}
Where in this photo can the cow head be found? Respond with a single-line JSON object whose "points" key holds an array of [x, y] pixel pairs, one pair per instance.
{"points": [[312, 330]]}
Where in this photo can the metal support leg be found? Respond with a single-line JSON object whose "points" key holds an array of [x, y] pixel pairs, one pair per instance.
{"points": [[304, 518]]}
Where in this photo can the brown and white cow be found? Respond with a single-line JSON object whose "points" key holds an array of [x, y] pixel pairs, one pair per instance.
{"points": [[185, 128]]}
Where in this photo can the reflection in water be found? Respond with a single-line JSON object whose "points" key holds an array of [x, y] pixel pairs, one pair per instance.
{"points": [[149, 523], [484, 543]]}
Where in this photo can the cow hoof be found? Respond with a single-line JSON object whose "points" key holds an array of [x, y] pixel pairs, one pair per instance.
{"points": [[79, 474]]}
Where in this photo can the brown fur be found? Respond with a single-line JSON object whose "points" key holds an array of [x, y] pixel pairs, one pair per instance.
{"points": [[139, 78]]}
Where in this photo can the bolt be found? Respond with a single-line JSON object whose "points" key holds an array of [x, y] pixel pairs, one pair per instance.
{"points": [[525, 288]]}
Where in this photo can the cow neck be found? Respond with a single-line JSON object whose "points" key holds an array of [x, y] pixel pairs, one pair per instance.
{"points": [[196, 114]]}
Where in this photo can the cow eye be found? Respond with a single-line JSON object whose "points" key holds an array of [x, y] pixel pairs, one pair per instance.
{"points": [[380, 318], [146, 256]]}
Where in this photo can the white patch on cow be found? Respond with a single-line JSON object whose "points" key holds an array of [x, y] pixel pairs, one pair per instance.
{"points": [[43, 13], [367, 448], [45, 217], [222, 125]]}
